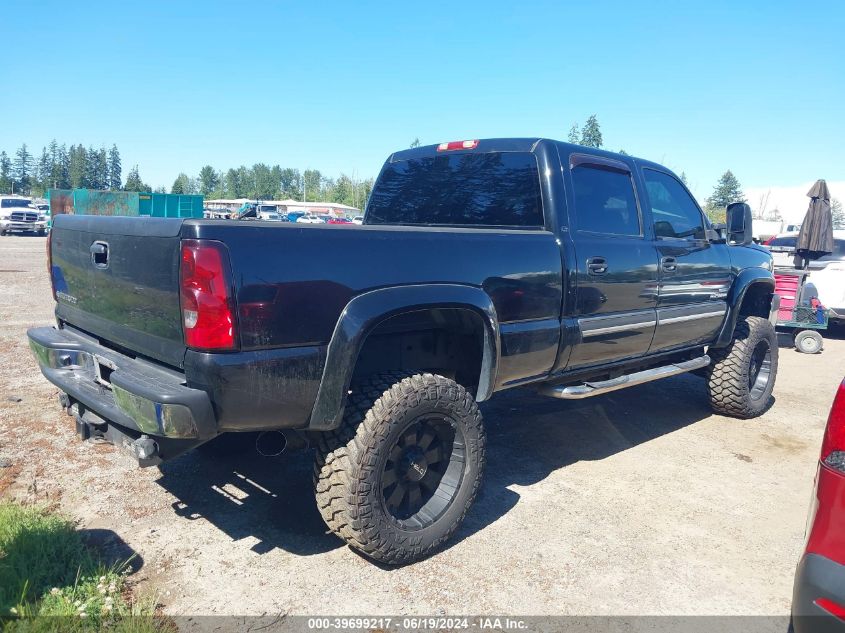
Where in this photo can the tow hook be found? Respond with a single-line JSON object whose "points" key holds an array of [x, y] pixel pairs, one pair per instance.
{"points": [[144, 448]]}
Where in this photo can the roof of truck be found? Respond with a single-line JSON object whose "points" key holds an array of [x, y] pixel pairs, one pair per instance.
{"points": [[525, 144]]}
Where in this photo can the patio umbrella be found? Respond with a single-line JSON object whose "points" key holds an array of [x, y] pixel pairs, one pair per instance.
{"points": [[816, 236]]}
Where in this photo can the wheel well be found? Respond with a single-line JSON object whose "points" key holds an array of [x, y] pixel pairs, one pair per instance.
{"points": [[757, 301], [446, 341]]}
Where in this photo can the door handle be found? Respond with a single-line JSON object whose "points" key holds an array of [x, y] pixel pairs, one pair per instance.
{"points": [[597, 265], [669, 264]]}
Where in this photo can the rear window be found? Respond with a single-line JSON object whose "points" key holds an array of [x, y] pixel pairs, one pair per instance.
{"points": [[787, 242], [490, 189]]}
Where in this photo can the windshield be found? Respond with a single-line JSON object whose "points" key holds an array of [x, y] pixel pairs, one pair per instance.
{"points": [[8, 203]]}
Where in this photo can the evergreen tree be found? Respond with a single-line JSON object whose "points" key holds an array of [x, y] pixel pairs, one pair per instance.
{"points": [[209, 180], [181, 184], [115, 170], [415, 143], [134, 182], [726, 191], [684, 178], [43, 170], [838, 214], [23, 170], [591, 133], [574, 134], [77, 167], [5, 173]]}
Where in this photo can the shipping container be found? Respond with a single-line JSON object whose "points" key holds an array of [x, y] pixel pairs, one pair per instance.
{"points": [[124, 203]]}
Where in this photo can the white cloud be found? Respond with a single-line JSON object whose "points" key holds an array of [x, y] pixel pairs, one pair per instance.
{"points": [[791, 201]]}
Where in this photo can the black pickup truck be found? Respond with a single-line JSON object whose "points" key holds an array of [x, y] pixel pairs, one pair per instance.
{"points": [[481, 266]]}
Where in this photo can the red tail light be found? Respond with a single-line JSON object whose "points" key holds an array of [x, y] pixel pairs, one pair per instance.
{"points": [[50, 264], [453, 145], [833, 444], [208, 315]]}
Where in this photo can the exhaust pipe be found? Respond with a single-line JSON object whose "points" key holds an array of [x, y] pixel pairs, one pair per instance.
{"points": [[271, 443]]}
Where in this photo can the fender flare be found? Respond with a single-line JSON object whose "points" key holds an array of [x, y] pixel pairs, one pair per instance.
{"points": [[366, 311], [746, 279]]}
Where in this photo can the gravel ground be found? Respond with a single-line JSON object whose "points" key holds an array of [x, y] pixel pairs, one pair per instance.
{"points": [[638, 502]]}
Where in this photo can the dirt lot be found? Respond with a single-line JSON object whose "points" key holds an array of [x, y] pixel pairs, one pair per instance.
{"points": [[639, 502]]}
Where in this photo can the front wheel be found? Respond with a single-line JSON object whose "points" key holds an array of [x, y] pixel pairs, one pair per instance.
{"points": [[398, 477], [741, 376]]}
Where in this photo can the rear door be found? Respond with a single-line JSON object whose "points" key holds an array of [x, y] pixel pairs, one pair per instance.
{"points": [[695, 274], [616, 270]]}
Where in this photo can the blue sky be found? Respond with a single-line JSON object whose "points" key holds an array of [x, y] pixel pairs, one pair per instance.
{"points": [[337, 86]]}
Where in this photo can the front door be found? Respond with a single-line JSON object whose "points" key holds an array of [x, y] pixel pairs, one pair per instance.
{"points": [[695, 274], [616, 271]]}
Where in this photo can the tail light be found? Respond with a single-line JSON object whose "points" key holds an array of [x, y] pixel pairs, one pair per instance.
{"points": [[50, 264], [453, 145], [208, 315], [833, 444]]}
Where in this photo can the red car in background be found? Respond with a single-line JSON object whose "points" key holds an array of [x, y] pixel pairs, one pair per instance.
{"points": [[818, 600], [339, 221]]}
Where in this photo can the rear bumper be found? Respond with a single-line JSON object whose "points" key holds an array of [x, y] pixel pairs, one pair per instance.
{"points": [[132, 393], [817, 578]]}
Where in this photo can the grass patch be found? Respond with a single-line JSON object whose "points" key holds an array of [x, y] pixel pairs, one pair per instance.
{"points": [[51, 581]]}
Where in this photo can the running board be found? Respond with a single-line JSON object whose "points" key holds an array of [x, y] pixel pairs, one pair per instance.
{"points": [[588, 389]]}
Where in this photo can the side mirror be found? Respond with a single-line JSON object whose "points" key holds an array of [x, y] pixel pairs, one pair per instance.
{"points": [[738, 215]]}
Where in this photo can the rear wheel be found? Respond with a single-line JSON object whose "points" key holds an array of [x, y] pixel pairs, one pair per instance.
{"points": [[808, 342], [741, 376], [396, 480]]}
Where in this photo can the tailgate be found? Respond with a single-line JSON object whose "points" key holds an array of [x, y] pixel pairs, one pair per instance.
{"points": [[118, 279]]}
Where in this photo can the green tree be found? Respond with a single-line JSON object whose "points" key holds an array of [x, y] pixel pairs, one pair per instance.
{"points": [[291, 183], [209, 180], [42, 173], [233, 184], [97, 168], [415, 143], [23, 170], [837, 213], [684, 178], [623, 152], [726, 191], [5, 173], [181, 184], [312, 179], [574, 135], [134, 182], [263, 185], [77, 172], [591, 133], [115, 169]]}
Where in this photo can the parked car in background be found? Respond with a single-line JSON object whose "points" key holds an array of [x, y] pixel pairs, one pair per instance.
{"points": [[782, 248], [309, 219], [17, 215], [294, 216], [818, 600], [339, 221], [358, 219]]}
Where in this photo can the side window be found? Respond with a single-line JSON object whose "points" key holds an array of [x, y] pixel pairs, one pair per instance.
{"points": [[604, 201], [674, 212]]}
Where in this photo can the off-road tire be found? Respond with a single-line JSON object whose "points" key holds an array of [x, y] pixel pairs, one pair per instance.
{"points": [[729, 377], [349, 471]]}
